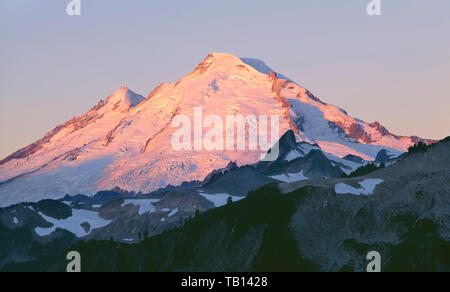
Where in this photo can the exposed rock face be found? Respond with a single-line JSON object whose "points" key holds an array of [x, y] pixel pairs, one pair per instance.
{"points": [[86, 226], [315, 166], [382, 130], [238, 182], [383, 156], [217, 173], [357, 133], [54, 209], [286, 145], [354, 158]]}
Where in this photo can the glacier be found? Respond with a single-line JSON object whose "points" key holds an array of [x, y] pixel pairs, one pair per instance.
{"points": [[124, 141]]}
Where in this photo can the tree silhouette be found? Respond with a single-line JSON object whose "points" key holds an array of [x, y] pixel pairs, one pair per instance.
{"points": [[419, 147], [363, 170]]}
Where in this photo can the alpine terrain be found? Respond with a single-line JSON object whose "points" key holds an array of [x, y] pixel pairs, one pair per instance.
{"points": [[111, 185], [125, 141]]}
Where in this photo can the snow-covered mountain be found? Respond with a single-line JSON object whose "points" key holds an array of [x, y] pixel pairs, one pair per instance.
{"points": [[125, 141]]}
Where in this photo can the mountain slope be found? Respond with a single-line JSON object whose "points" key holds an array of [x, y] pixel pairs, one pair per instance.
{"points": [[312, 228], [400, 211], [125, 141], [285, 227]]}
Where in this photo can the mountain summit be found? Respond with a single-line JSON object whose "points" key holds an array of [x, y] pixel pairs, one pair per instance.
{"points": [[125, 141], [124, 99]]}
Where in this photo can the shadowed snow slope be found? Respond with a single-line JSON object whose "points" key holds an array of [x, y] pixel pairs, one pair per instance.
{"points": [[125, 141], [367, 187]]}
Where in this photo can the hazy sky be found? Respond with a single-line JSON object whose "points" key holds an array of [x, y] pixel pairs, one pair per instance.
{"points": [[393, 68]]}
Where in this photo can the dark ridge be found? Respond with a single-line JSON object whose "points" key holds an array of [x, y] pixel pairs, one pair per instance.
{"points": [[54, 209], [422, 146], [364, 170], [215, 174], [383, 156], [317, 165], [354, 158], [264, 214], [100, 197]]}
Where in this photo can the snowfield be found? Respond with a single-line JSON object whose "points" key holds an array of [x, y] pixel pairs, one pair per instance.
{"points": [[124, 141], [367, 187], [294, 154], [73, 224], [145, 205], [290, 177], [219, 200], [173, 212]]}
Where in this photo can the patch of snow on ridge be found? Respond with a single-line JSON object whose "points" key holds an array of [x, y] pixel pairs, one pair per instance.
{"points": [[173, 212], [294, 154], [290, 177], [219, 200], [342, 188], [346, 166], [145, 205], [367, 187], [370, 184], [73, 224]]}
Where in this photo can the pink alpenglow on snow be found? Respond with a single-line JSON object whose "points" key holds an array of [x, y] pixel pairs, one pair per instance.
{"points": [[125, 141]]}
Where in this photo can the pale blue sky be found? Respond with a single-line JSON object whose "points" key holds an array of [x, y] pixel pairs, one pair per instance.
{"points": [[394, 68]]}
